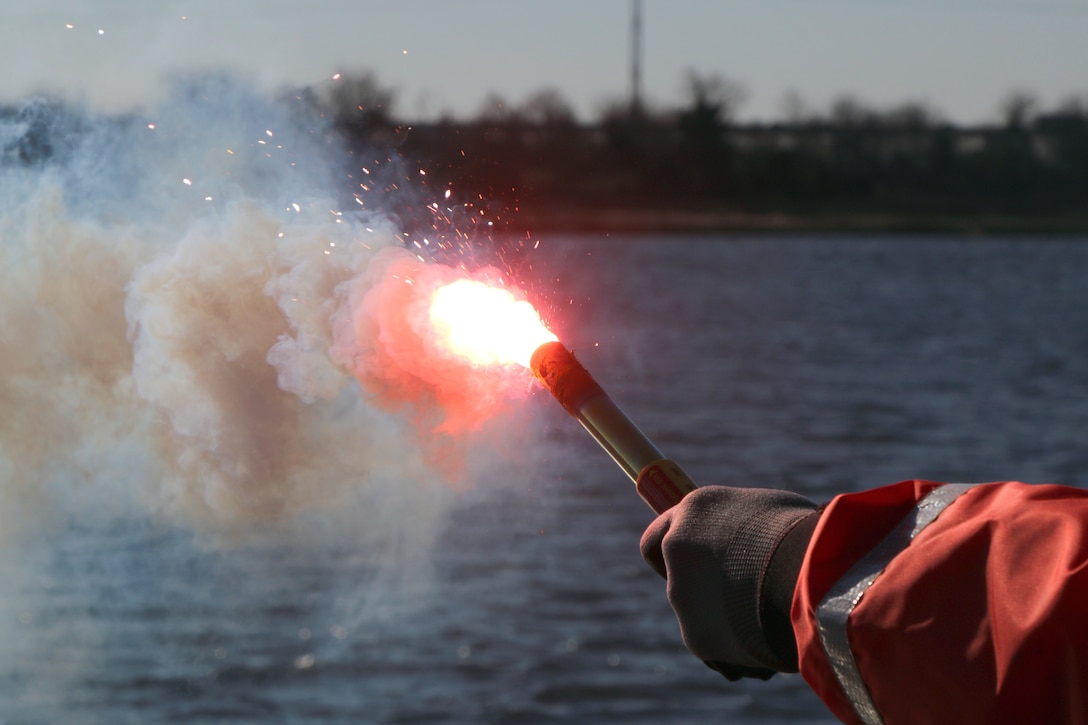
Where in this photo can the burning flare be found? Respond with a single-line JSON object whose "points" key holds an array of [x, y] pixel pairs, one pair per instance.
{"points": [[430, 341], [486, 325]]}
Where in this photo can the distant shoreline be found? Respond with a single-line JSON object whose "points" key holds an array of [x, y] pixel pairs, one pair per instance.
{"points": [[708, 220]]}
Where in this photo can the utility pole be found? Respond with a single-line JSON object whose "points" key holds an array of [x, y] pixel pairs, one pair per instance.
{"points": [[636, 57]]}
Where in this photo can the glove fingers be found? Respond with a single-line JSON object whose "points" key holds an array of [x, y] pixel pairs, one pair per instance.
{"points": [[714, 549], [650, 544]]}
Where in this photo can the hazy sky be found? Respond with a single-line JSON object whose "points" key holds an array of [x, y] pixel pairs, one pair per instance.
{"points": [[963, 57]]}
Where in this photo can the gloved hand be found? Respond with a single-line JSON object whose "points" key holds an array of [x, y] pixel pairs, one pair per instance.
{"points": [[730, 557]]}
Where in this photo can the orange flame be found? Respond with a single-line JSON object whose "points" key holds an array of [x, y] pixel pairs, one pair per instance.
{"points": [[486, 325]]}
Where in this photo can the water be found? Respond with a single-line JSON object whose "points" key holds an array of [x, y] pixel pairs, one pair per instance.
{"points": [[817, 364]]}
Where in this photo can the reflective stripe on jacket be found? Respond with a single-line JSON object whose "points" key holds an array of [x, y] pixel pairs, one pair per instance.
{"points": [[930, 603]]}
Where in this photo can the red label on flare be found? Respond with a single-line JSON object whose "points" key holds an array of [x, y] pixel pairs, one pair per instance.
{"points": [[662, 484]]}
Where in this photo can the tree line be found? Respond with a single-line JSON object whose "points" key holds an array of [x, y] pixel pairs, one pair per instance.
{"points": [[696, 165], [534, 165]]}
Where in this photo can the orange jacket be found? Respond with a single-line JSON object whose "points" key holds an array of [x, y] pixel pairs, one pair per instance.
{"points": [[928, 603]]}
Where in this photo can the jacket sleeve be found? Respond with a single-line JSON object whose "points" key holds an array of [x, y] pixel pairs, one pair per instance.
{"points": [[928, 603]]}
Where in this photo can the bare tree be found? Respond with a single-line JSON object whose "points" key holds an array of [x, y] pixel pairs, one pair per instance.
{"points": [[495, 109], [1019, 109], [359, 99], [911, 115], [548, 106], [1075, 106], [848, 111], [714, 96], [794, 108]]}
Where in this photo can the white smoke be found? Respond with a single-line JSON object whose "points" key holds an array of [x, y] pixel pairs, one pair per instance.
{"points": [[170, 280]]}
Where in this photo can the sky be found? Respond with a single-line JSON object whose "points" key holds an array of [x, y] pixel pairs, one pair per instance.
{"points": [[963, 58]]}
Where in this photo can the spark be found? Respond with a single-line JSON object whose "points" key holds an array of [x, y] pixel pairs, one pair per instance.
{"points": [[187, 181]]}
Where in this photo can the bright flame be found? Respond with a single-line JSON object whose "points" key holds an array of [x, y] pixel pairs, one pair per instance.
{"points": [[487, 325]]}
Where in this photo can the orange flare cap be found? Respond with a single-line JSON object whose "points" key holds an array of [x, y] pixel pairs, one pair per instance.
{"points": [[571, 384]]}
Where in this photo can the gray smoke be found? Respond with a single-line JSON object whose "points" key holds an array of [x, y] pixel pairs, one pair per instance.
{"points": [[170, 280]]}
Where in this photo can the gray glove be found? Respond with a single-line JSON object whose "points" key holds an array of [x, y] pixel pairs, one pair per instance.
{"points": [[731, 557]]}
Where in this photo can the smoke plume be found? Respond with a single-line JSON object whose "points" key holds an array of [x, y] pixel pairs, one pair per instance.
{"points": [[193, 322]]}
